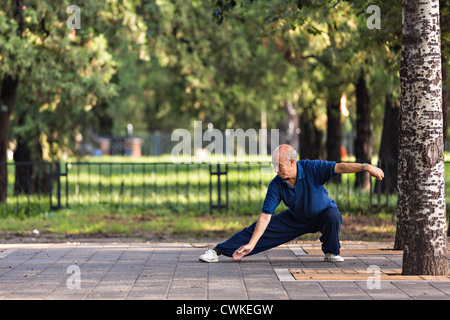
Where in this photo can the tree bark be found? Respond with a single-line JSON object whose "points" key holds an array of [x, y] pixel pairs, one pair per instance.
{"points": [[334, 134], [288, 127], [445, 48], [363, 140], [8, 92], [29, 178], [7, 101], [444, 15], [421, 209], [311, 145]]}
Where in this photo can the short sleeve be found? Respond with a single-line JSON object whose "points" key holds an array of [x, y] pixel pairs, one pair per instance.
{"points": [[273, 197], [323, 170]]}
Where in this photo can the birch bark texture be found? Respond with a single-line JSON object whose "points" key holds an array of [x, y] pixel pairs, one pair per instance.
{"points": [[421, 209]]}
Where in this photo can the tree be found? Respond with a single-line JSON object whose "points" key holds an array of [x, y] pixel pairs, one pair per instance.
{"points": [[14, 51], [388, 155], [225, 75], [444, 8], [363, 140], [444, 14], [51, 78], [421, 207]]}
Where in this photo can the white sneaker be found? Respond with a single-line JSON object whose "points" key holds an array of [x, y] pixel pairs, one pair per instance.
{"points": [[209, 256], [333, 258]]}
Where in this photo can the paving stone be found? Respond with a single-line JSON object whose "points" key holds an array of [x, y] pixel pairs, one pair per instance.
{"points": [[305, 290], [172, 271]]}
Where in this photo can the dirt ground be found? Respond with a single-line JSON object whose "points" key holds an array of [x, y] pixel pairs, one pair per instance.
{"points": [[354, 228], [368, 228]]}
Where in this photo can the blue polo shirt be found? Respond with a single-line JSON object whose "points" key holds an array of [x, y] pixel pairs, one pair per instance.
{"points": [[309, 196]]}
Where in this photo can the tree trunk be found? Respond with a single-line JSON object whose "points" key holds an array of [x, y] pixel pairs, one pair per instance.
{"points": [[445, 51], [288, 126], [8, 91], [363, 141], [29, 178], [421, 209], [388, 156], [311, 145], [334, 134], [445, 94], [7, 100]]}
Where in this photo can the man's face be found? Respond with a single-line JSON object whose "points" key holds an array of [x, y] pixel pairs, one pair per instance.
{"points": [[285, 169]]}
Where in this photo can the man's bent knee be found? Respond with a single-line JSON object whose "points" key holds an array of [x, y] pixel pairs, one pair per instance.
{"points": [[332, 215]]}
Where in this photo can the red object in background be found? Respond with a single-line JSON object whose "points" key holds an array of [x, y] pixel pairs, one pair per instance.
{"points": [[344, 153]]}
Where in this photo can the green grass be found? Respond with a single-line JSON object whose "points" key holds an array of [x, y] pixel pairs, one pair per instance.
{"points": [[145, 224], [162, 186], [148, 225], [169, 201], [119, 184]]}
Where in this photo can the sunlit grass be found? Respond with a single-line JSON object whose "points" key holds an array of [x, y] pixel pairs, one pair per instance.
{"points": [[176, 188], [128, 198]]}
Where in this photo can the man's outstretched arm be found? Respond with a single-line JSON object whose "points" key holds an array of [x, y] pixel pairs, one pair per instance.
{"points": [[261, 225], [357, 167]]}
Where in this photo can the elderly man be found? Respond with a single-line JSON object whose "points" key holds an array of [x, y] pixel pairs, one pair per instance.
{"points": [[300, 185]]}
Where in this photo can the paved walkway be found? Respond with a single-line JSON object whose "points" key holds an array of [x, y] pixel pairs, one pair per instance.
{"points": [[167, 271]]}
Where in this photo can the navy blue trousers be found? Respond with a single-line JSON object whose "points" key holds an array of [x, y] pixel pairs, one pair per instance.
{"points": [[284, 227]]}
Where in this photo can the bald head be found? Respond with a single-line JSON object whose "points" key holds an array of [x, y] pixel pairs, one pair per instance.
{"points": [[284, 153], [284, 159]]}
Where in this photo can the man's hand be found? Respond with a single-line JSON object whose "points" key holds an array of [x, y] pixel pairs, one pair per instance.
{"points": [[375, 172], [242, 251], [261, 225]]}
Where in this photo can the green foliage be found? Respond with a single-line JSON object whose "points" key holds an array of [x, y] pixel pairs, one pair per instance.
{"points": [[161, 64], [62, 74], [336, 45]]}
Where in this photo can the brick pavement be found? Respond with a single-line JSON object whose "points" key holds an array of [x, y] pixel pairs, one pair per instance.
{"points": [[171, 271]]}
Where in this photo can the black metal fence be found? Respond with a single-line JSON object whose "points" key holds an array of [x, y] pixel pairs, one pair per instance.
{"points": [[39, 187]]}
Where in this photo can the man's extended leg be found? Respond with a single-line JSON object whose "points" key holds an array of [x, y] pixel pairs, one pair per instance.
{"points": [[284, 228]]}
